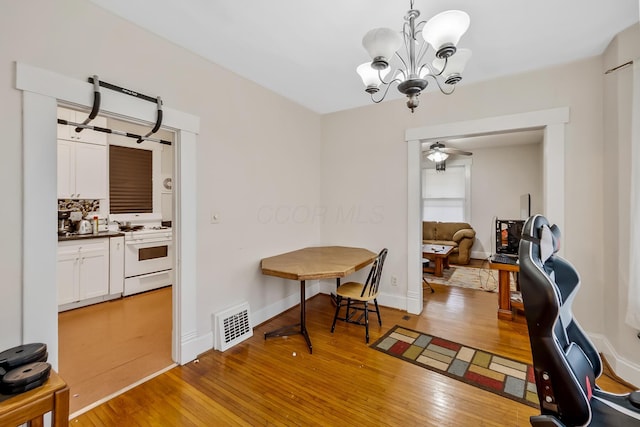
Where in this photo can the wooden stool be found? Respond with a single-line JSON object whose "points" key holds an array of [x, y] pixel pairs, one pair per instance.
{"points": [[30, 407]]}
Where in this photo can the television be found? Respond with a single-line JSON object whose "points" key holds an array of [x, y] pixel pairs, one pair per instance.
{"points": [[508, 233]]}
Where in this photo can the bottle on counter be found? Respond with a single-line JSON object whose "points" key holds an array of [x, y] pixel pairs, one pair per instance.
{"points": [[95, 224]]}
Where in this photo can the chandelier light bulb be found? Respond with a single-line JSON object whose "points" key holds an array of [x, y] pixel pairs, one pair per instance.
{"points": [[455, 66], [381, 44], [444, 30], [370, 76]]}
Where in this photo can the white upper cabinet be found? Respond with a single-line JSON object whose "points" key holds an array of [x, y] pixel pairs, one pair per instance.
{"points": [[82, 170], [87, 135]]}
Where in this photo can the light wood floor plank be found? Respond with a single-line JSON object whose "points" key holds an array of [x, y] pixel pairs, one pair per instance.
{"points": [[109, 346], [344, 382]]}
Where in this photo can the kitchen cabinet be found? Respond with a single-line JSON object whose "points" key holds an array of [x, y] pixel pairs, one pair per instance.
{"points": [[82, 170], [82, 270], [116, 265], [87, 135]]}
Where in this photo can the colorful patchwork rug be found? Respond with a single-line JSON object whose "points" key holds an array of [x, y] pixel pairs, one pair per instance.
{"points": [[500, 375]]}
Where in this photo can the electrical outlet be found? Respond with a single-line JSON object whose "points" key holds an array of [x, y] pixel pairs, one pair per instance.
{"points": [[394, 281]]}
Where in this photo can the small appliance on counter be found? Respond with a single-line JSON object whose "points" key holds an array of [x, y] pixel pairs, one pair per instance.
{"points": [[84, 226], [64, 224]]}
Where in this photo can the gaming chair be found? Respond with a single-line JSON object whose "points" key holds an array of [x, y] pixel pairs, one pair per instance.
{"points": [[565, 362]]}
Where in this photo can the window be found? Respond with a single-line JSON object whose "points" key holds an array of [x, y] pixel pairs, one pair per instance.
{"points": [[446, 195], [130, 180]]}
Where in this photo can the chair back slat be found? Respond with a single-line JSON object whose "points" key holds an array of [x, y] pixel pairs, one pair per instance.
{"points": [[370, 288]]}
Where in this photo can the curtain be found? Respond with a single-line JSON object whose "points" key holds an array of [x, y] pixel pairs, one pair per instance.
{"points": [[633, 306]]}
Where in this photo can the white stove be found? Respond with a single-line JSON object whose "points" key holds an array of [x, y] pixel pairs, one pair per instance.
{"points": [[148, 261]]}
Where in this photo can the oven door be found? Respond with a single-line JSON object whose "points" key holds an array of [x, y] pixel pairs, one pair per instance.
{"points": [[144, 256]]}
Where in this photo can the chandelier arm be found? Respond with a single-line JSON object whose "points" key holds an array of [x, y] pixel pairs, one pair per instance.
{"points": [[421, 53], [386, 90], [442, 89], [404, 64], [432, 70], [392, 80]]}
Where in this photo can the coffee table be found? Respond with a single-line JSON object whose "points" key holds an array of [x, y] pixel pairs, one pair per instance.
{"points": [[439, 254]]}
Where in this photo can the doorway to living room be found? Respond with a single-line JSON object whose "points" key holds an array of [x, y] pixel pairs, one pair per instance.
{"points": [[551, 122]]}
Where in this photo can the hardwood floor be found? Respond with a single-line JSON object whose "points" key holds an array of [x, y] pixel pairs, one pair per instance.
{"points": [[344, 382], [109, 346]]}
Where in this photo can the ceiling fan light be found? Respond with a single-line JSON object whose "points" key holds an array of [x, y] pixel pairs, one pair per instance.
{"points": [[444, 30], [381, 44], [437, 156]]}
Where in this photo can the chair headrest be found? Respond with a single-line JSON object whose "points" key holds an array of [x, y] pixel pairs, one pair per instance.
{"points": [[549, 241], [546, 236]]}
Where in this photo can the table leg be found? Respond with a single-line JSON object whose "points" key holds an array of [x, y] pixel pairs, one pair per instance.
{"points": [[334, 299], [438, 271], [60, 415], [299, 328], [504, 296]]}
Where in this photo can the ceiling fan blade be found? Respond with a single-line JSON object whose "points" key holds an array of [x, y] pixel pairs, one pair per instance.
{"points": [[455, 151]]}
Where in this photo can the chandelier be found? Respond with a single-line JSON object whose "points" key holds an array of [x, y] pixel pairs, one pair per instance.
{"points": [[416, 62]]}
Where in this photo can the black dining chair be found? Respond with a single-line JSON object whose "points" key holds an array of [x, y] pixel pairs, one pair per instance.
{"points": [[356, 297]]}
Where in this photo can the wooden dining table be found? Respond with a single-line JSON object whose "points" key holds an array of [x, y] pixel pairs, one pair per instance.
{"points": [[313, 263]]}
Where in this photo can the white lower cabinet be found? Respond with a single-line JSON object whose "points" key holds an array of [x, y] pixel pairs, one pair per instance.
{"points": [[116, 265], [83, 270]]}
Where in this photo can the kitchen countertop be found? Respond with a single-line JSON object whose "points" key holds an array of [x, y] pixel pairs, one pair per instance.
{"points": [[100, 235]]}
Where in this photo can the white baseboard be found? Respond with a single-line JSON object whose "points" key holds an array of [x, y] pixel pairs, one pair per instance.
{"points": [[480, 255], [623, 368], [192, 346], [272, 310]]}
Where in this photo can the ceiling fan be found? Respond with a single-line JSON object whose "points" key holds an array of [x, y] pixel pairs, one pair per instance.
{"points": [[438, 153]]}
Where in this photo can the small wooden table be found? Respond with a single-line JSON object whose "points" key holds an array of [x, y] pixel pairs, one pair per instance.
{"points": [[30, 407], [506, 306], [439, 254], [323, 262]]}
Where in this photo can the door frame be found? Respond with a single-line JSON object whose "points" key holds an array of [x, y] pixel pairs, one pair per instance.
{"points": [[41, 92], [552, 121]]}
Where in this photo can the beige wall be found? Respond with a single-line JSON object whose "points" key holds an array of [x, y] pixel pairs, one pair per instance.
{"points": [[255, 149], [364, 158], [616, 207], [499, 177]]}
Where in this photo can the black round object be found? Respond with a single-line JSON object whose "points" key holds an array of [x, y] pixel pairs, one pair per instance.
{"points": [[26, 377], [23, 354]]}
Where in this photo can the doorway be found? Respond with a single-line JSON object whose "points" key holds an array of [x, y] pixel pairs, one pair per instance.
{"points": [[119, 337], [42, 90], [553, 124]]}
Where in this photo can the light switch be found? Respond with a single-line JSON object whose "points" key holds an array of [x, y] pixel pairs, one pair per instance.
{"points": [[215, 217]]}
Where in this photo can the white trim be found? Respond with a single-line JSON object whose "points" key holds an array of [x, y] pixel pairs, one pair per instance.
{"points": [[414, 226], [552, 120], [621, 366], [72, 91], [39, 242], [42, 89]]}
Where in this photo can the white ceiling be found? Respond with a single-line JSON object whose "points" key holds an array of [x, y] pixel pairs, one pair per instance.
{"points": [[307, 51]]}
